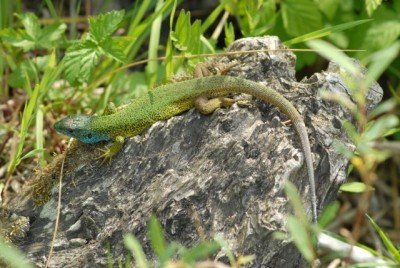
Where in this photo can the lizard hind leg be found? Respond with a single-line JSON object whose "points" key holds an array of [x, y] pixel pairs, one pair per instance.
{"points": [[210, 68], [203, 104], [208, 106]]}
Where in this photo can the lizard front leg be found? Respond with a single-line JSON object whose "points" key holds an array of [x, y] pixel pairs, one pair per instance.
{"points": [[118, 142]]}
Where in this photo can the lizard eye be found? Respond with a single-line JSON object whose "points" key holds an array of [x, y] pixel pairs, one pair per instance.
{"points": [[89, 135]]}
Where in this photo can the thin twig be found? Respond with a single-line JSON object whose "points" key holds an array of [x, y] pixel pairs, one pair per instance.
{"points": [[206, 55], [58, 208]]}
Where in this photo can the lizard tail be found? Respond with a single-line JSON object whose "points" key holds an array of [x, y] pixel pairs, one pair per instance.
{"points": [[227, 84], [301, 129]]}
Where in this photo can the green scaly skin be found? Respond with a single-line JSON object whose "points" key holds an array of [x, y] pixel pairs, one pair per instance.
{"points": [[166, 101]]}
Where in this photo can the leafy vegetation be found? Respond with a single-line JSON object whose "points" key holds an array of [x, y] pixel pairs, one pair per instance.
{"points": [[166, 253], [49, 67]]}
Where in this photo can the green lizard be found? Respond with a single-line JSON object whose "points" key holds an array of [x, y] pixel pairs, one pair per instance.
{"points": [[166, 101]]}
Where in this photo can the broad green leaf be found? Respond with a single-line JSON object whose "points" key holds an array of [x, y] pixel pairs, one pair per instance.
{"points": [[113, 49], [25, 71], [156, 236], [80, 61], [194, 43], [31, 24], [301, 238], [181, 34], [300, 17], [51, 34], [355, 187], [381, 35], [371, 5], [17, 39], [186, 36], [325, 32], [104, 25], [132, 244], [386, 240], [33, 36]]}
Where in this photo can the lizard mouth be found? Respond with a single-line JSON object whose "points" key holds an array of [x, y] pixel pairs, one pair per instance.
{"points": [[79, 127]]}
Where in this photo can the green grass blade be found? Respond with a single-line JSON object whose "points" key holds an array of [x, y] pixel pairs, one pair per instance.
{"points": [[140, 33], [295, 201], [39, 137], [50, 74], [27, 115], [328, 214], [52, 10], [132, 244], [225, 247], [200, 251], [325, 32], [301, 238], [12, 256], [379, 62], [330, 52], [386, 240], [169, 68], [156, 236], [152, 66], [211, 18], [138, 15], [6, 13]]}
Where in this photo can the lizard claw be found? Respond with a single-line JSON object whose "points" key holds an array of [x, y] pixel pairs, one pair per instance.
{"points": [[108, 153], [105, 155]]}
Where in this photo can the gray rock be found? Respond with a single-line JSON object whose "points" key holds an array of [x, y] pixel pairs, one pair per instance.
{"points": [[201, 175]]}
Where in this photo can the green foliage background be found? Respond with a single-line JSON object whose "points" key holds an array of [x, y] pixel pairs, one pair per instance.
{"points": [[51, 67]]}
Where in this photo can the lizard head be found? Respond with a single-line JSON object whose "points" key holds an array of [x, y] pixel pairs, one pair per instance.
{"points": [[79, 127]]}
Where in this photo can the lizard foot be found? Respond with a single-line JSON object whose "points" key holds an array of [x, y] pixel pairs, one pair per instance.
{"points": [[210, 68], [110, 152]]}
